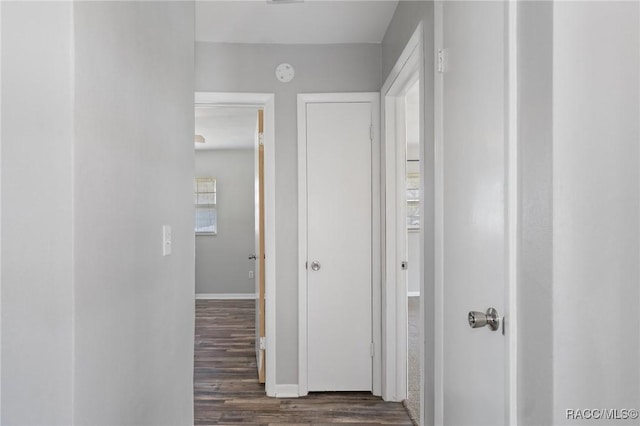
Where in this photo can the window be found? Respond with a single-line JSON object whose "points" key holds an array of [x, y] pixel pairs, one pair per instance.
{"points": [[205, 204], [413, 201]]}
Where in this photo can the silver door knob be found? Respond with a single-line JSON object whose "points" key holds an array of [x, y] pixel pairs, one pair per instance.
{"points": [[315, 265], [253, 257], [480, 319]]}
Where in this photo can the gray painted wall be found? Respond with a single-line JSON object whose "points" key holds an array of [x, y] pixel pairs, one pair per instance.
{"points": [[37, 202], [596, 196], [319, 68], [408, 15], [406, 18], [133, 172], [222, 264], [535, 341], [97, 118], [579, 157]]}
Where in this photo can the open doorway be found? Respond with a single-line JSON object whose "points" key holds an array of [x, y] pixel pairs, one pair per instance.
{"points": [[413, 246], [234, 221], [224, 201], [404, 234], [403, 108]]}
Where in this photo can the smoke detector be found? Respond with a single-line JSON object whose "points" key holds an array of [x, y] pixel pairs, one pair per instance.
{"points": [[285, 72]]}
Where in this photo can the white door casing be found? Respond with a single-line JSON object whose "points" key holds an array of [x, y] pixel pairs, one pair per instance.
{"points": [[336, 326], [476, 215], [408, 69]]}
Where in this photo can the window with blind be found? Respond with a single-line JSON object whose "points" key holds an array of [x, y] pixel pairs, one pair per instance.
{"points": [[205, 204], [413, 201]]}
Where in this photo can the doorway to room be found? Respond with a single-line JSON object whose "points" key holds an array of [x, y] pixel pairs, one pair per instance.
{"points": [[403, 108], [234, 211], [224, 200], [413, 248]]}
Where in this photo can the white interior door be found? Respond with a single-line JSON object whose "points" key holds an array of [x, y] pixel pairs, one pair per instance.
{"points": [[339, 246], [474, 225]]}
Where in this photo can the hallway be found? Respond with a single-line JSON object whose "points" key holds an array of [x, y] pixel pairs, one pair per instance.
{"points": [[226, 388]]}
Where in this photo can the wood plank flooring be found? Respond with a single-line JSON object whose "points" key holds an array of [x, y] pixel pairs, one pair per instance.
{"points": [[226, 387]]}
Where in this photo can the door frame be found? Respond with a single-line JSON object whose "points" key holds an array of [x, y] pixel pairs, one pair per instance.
{"points": [[376, 332], [512, 211], [408, 68], [266, 101], [513, 214]]}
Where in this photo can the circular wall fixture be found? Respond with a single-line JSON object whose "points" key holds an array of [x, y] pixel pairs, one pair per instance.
{"points": [[285, 73]]}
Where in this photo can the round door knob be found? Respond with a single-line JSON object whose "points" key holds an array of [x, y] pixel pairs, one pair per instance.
{"points": [[252, 257], [481, 319], [315, 265]]}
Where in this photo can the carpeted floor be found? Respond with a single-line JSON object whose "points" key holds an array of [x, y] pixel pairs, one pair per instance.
{"points": [[413, 363]]}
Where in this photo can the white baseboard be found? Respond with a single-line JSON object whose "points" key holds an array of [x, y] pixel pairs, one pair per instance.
{"points": [[413, 293], [286, 391], [225, 296]]}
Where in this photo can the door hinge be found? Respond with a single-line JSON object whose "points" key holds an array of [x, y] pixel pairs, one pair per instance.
{"points": [[373, 349], [263, 343], [443, 60], [371, 132]]}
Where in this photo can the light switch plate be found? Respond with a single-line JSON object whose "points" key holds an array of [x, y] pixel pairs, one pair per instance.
{"points": [[166, 240]]}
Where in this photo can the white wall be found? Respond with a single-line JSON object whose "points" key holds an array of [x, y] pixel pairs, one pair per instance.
{"points": [[319, 68], [222, 260], [97, 154], [133, 173], [37, 149], [596, 67]]}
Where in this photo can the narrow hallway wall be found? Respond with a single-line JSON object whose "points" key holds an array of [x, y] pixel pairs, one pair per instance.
{"points": [[133, 173], [37, 202], [596, 206], [535, 142], [97, 155]]}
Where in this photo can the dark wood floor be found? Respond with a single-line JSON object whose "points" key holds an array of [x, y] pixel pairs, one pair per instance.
{"points": [[226, 382]]}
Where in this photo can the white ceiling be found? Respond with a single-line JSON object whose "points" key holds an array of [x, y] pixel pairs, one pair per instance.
{"points": [[308, 22], [249, 21], [226, 127]]}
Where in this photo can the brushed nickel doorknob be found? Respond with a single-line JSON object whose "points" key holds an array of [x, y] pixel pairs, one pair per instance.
{"points": [[480, 319]]}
